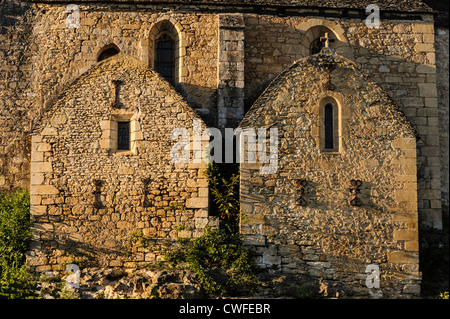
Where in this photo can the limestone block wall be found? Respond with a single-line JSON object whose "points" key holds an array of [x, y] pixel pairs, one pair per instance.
{"points": [[75, 50], [312, 227], [40, 56], [113, 207], [399, 56], [230, 75], [408, 74]]}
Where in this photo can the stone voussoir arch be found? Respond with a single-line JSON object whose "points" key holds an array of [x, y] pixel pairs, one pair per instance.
{"points": [[315, 28], [168, 24]]}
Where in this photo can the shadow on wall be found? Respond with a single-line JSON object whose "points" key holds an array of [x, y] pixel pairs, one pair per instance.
{"points": [[403, 72], [87, 253], [202, 99], [206, 102], [14, 117], [10, 13]]}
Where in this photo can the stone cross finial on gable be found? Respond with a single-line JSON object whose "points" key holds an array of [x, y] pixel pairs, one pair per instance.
{"points": [[326, 39]]}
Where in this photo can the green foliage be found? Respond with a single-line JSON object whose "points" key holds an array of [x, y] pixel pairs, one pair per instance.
{"points": [[16, 282], [137, 238], [14, 226], [224, 187], [66, 293], [74, 258], [218, 257], [219, 260], [15, 233]]}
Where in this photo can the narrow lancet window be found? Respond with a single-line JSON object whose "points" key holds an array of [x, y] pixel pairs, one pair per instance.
{"points": [[329, 126], [165, 57]]}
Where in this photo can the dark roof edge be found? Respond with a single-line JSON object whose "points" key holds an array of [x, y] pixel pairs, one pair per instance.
{"points": [[425, 9]]}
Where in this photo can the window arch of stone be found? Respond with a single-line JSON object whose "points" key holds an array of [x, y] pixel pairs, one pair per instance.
{"points": [[168, 30], [311, 44], [328, 132], [107, 52]]}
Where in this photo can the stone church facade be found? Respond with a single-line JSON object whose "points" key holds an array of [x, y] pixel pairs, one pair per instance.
{"points": [[88, 103]]}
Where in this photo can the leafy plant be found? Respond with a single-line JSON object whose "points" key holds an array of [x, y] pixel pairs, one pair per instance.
{"points": [[17, 282], [219, 260], [74, 258], [218, 257], [15, 230], [137, 238], [15, 233], [224, 187]]}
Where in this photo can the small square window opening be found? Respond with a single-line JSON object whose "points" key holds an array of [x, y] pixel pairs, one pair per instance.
{"points": [[123, 136]]}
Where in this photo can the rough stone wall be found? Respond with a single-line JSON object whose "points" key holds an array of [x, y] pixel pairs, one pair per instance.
{"points": [[122, 221], [399, 56], [15, 91], [326, 236], [75, 50], [271, 45], [40, 57], [401, 59], [442, 58]]}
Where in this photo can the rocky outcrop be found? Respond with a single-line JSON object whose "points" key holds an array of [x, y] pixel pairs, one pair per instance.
{"points": [[116, 283]]}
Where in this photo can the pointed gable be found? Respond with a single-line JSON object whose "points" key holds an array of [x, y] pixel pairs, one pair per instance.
{"points": [[335, 204], [102, 169]]}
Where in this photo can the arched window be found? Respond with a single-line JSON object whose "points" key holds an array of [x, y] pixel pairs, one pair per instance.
{"points": [[107, 52], [329, 125], [167, 49], [165, 56]]}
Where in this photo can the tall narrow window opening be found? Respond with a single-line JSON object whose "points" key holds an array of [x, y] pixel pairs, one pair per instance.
{"points": [[329, 126], [165, 57], [123, 136], [327, 130]]}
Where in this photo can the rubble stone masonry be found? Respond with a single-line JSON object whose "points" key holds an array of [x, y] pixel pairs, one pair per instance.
{"points": [[58, 131], [307, 217], [90, 199]]}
